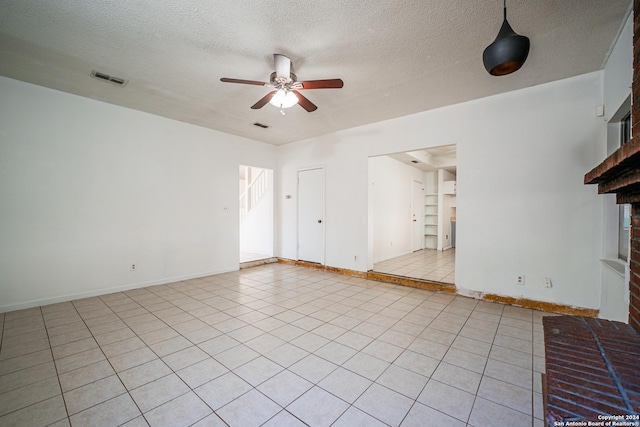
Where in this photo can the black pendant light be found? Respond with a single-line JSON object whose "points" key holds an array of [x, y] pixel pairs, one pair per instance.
{"points": [[508, 51]]}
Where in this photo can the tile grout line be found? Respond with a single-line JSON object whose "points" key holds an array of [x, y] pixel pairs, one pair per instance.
{"points": [[55, 365], [314, 286], [475, 396], [4, 318], [161, 359], [127, 391], [316, 384], [93, 336]]}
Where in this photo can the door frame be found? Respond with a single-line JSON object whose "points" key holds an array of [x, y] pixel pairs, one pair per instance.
{"points": [[304, 169], [272, 224], [420, 213]]}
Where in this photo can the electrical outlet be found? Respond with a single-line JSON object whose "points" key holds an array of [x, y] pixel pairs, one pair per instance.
{"points": [[520, 280], [355, 257], [133, 267], [547, 282]]}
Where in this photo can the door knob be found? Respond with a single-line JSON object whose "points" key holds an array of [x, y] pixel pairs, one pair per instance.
{"points": [[319, 221]]}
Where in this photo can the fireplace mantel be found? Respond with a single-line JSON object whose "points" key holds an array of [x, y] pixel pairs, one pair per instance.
{"points": [[619, 173]]}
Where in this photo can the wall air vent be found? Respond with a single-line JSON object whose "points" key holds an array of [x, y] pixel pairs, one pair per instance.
{"points": [[107, 78], [260, 125]]}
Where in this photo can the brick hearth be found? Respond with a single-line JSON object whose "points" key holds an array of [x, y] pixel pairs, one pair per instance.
{"points": [[591, 369]]}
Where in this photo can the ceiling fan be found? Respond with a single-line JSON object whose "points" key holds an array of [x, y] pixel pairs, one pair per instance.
{"points": [[286, 87]]}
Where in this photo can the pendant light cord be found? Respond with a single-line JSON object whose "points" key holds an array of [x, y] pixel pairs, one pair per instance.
{"points": [[505, 10]]}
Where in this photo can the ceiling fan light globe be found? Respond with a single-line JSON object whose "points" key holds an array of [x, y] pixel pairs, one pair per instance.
{"points": [[284, 99]]}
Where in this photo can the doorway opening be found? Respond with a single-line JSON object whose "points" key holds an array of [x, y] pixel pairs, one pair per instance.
{"points": [[256, 209], [412, 214]]}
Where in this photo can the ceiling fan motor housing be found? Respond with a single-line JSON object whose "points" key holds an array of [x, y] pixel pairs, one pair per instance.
{"points": [[274, 76]]}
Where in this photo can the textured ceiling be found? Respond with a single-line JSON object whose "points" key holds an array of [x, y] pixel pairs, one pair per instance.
{"points": [[431, 159], [396, 57]]}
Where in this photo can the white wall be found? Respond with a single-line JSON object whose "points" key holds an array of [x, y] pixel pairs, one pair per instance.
{"points": [[618, 75], [345, 221], [541, 221], [392, 192], [88, 188], [618, 71], [614, 289], [522, 206]]}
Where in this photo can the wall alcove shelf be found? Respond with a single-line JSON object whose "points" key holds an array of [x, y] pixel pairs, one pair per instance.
{"points": [[431, 220]]}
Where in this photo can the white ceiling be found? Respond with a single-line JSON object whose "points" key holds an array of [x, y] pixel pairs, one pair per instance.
{"points": [[431, 159], [396, 57]]}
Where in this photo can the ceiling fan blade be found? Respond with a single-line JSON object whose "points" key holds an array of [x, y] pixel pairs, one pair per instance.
{"points": [[246, 82], [264, 100], [322, 84], [283, 65], [304, 102]]}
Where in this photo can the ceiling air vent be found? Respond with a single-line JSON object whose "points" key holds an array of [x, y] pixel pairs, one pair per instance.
{"points": [[107, 78], [260, 125]]}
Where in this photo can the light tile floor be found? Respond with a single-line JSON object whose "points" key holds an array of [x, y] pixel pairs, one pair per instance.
{"points": [[275, 345], [427, 264]]}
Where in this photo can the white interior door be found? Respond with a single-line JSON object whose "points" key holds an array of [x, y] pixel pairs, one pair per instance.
{"points": [[311, 215], [417, 217]]}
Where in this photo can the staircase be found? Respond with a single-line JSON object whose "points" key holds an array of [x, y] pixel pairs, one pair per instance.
{"points": [[254, 190]]}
